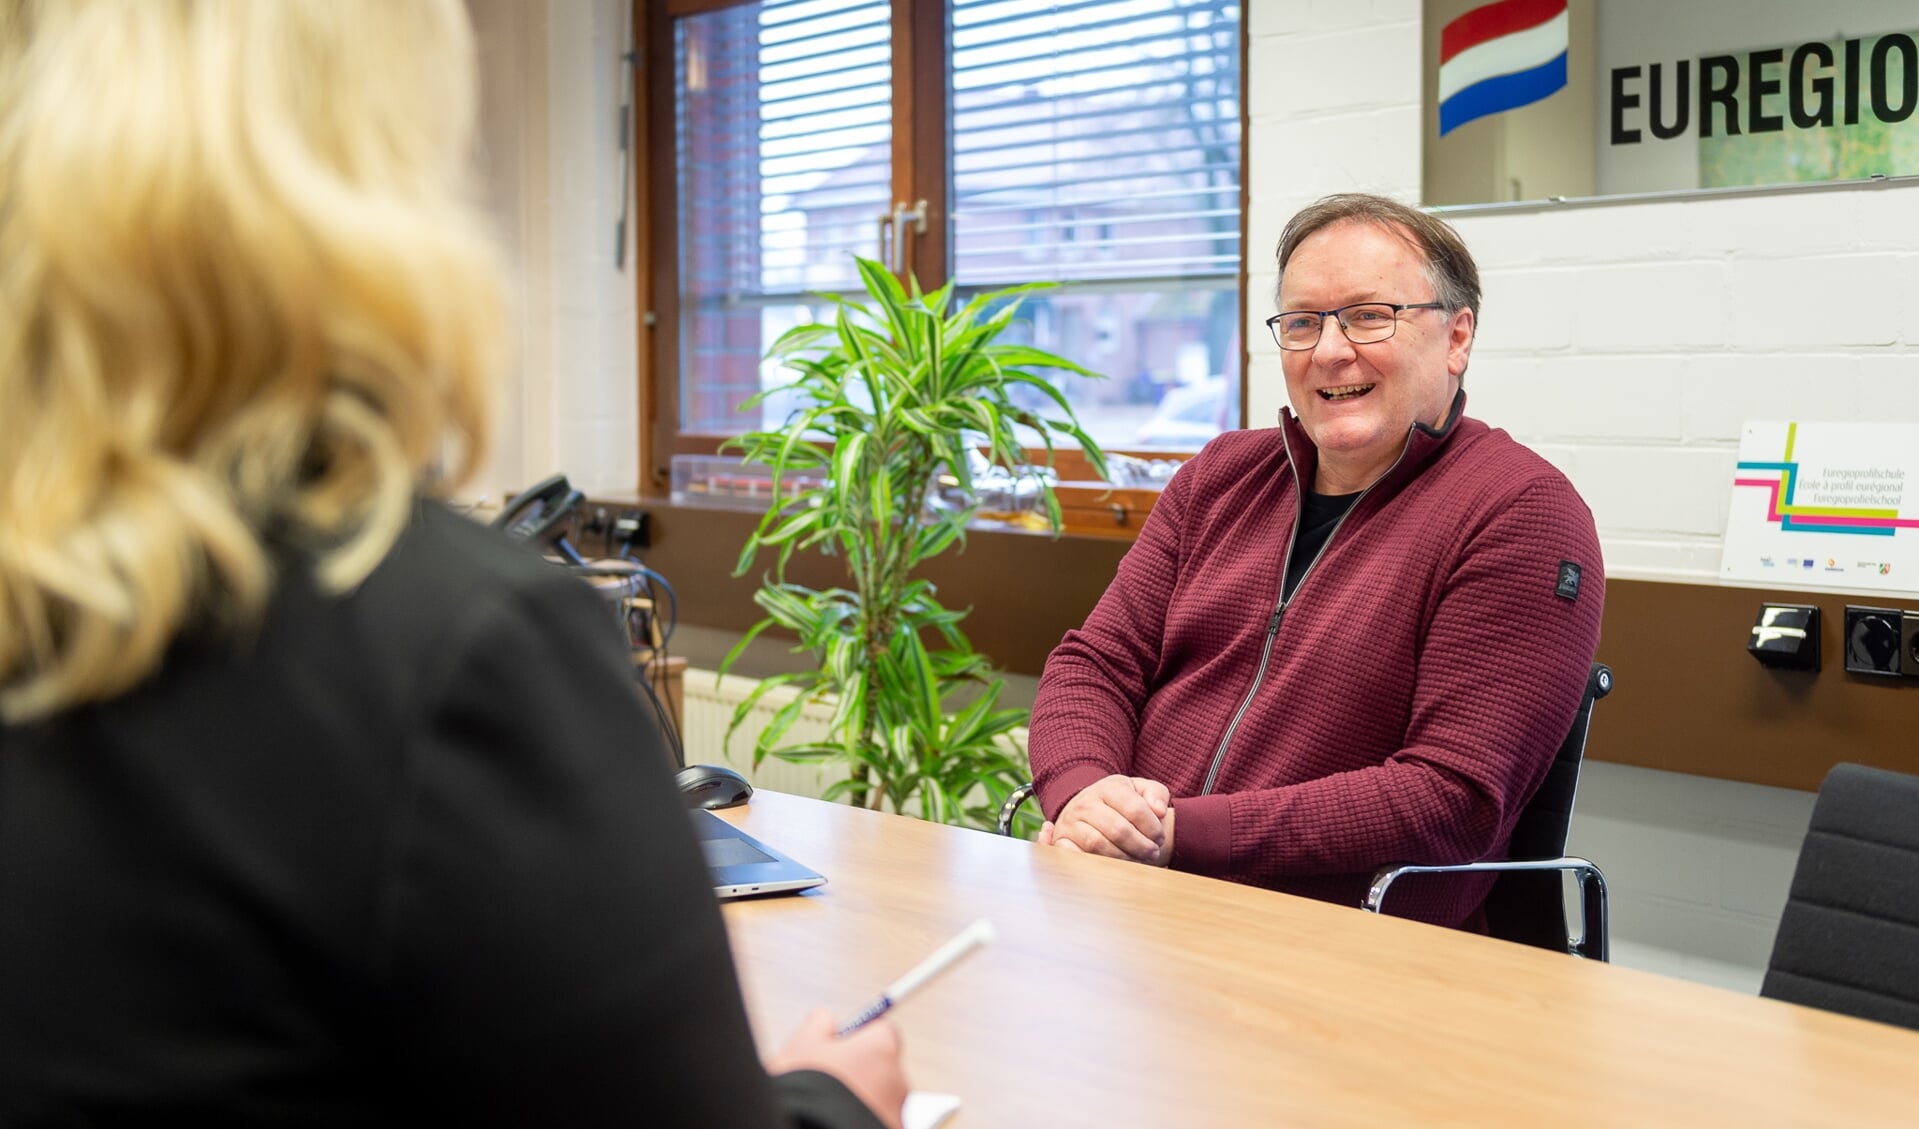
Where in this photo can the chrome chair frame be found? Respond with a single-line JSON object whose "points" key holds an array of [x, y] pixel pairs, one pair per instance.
{"points": [[1588, 941], [1008, 809], [1541, 826]]}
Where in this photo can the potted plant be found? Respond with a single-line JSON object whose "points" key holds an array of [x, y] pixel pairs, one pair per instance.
{"points": [[897, 393]]}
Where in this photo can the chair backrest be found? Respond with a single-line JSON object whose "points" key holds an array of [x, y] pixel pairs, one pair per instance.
{"points": [[1529, 906], [1849, 938]]}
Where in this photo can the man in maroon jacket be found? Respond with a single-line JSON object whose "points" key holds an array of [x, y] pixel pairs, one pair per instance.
{"points": [[1351, 640]]}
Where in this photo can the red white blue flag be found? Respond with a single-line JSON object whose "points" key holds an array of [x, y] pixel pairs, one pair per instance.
{"points": [[1500, 57]]}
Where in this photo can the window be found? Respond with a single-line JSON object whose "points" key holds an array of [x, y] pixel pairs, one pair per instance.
{"points": [[783, 129], [1093, 143]]}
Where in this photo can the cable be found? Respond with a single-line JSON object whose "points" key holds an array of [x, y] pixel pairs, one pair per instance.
{"points": [[665, 719], [657, 667], [672, 598], [636, 578], [653, 632]]}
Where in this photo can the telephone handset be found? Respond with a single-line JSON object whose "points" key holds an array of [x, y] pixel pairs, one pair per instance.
{"points": [[539, 513]]}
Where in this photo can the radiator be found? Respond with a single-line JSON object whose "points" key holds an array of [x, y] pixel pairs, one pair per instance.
{"points": [[708, 707]]}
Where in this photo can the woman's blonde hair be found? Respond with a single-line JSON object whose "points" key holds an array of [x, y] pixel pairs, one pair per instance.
{"points": [[244, 296]]}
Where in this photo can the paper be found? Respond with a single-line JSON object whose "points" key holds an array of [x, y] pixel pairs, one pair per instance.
{"points": [[925, 1109], [1825, 505]]}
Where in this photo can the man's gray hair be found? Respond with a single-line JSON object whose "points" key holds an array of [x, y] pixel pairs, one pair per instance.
{"points": [[1449, 266]]}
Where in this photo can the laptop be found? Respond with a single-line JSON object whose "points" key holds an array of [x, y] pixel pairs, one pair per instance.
{"points": [[744, 867]]}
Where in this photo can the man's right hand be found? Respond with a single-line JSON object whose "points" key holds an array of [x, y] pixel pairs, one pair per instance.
{"points": [[1118, 816]]}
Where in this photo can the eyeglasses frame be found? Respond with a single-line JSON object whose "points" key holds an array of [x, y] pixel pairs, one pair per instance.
{"points": [[1339, 315]]}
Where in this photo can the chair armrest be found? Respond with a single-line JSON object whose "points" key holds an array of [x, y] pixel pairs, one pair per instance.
{"points": [[1011, 807], [1591, 942]]}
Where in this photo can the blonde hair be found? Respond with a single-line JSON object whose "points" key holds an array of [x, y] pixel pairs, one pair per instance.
{"points": [[244, 295]]}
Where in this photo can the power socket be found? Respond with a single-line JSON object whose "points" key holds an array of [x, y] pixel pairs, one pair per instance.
{"points": [[1909, 643], [590, 527], [1873, 641], [631, 529]]}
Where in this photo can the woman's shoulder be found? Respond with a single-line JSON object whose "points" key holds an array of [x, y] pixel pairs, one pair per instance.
{"points": [[443, 579], [452, 552]]}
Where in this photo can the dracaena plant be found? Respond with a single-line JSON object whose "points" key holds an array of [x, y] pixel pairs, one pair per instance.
{"points": [[896, 392]]}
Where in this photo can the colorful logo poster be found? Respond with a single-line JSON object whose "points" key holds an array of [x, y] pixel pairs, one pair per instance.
{"points": [[1826, 505]]}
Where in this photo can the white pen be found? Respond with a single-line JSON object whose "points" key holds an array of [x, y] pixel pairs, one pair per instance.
{"points": [[943, 958]]}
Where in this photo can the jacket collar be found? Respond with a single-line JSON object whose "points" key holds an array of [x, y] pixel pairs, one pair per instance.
{"points": [[1423, 444]]}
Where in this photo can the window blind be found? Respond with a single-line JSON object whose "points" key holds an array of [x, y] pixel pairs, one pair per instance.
{"points": [[785, 130], [1095, 140]]}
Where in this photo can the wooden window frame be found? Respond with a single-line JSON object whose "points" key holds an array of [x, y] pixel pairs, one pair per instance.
{"points": [[920, 160]]}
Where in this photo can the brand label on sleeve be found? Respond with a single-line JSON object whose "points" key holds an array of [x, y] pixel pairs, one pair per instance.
{"points": [[1568, 586]]}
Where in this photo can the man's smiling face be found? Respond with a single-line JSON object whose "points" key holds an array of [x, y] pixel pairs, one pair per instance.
{"points": [[1358, 401]]}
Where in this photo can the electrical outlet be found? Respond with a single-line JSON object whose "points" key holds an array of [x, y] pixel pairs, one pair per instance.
{"points": [[586, 530], [1873, 644], [633, 529]]}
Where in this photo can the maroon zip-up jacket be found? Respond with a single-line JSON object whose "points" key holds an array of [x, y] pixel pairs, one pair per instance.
{"points": [[1402, 707]]}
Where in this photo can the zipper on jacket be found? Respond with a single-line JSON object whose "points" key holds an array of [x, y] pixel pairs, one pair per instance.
{"points": [[1279, 611]]}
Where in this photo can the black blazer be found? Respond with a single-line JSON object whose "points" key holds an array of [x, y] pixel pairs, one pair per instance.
{"points": [[403, 856]]}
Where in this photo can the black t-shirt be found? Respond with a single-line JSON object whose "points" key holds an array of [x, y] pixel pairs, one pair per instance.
{"points": [[1316, 523]]}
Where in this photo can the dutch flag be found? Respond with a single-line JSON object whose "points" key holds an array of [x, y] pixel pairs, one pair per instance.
{"points": [[1500, 57]]}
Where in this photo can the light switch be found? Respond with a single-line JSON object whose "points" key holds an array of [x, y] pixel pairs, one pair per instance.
{"points": [[1786, 636]]}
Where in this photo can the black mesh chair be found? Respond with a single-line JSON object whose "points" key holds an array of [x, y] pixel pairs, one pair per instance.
{"points": [[1526, 903], [1849, 938]]}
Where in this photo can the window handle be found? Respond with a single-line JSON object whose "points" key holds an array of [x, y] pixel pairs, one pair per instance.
{"points": [[916, 213], [899, 219], [885, 239]]}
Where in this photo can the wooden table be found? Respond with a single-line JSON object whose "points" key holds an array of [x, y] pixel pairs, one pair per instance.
{"points": [[1120, 995]]}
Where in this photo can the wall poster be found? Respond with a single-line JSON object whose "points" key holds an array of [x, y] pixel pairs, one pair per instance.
{"points": [[1826, 505]]}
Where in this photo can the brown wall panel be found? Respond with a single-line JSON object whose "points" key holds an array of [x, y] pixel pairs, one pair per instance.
{"points": [[1026, 590], [1689, 698]]}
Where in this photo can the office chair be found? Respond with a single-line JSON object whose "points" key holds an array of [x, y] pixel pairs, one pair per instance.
{"points": [[1849, 938], [1525, 903]]}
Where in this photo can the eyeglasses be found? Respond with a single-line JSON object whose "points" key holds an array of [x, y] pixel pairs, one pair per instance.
{"points": [[1363, 323]]}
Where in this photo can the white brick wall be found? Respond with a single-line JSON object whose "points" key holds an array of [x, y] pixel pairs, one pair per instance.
{"points": [[1813, 302], [1649, 306], [550, 76], [1887, 381], [1332, 106], [595, 344], [1723, 390]]}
